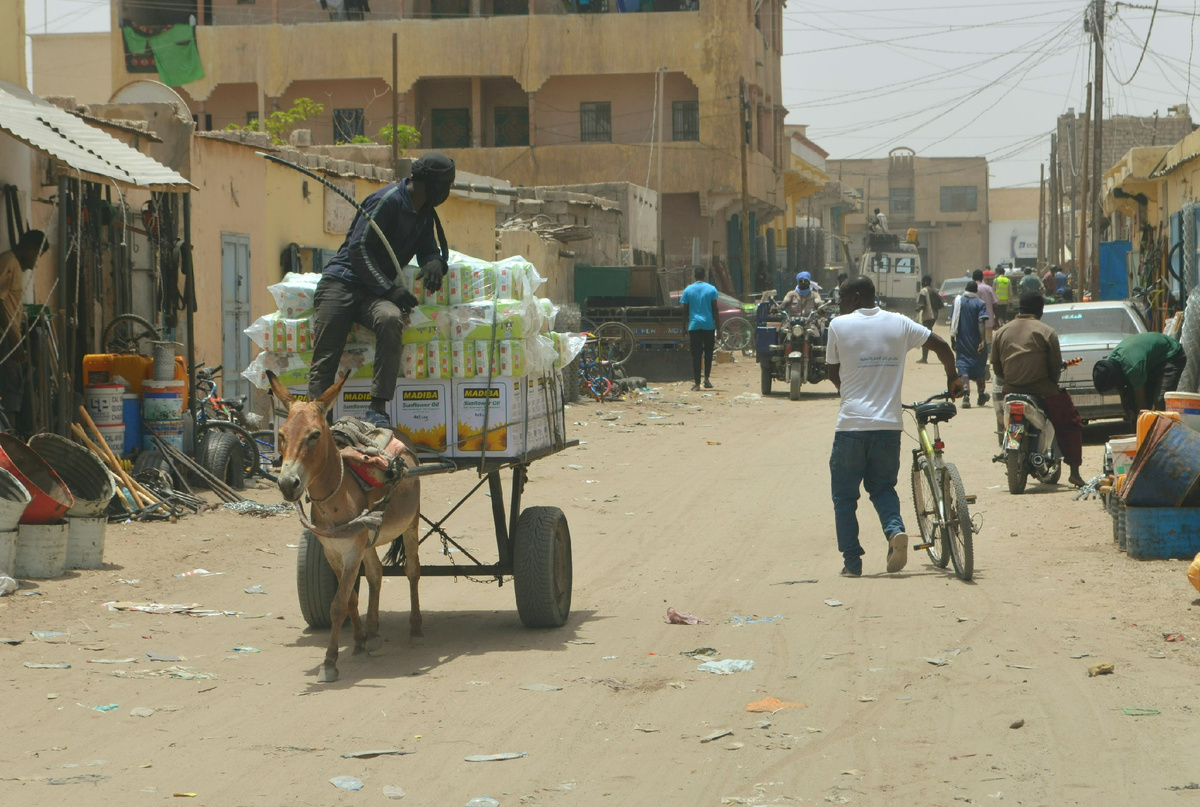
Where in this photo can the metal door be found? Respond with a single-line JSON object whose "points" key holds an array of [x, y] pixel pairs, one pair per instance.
{"points": [[235, 311]]}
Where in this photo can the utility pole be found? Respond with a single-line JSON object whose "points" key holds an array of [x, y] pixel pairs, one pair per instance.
{"points": [[662, 239], [747, 272], [1082, 266], [1042, 252], [1051, 210], [1097, 143], [395, 103]]}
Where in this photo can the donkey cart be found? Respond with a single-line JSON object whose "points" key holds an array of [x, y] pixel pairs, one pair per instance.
{"points": [[533, 547]]}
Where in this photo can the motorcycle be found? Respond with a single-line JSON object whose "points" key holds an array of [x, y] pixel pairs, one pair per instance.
{"points": [[1027, 443], [791, 349]]}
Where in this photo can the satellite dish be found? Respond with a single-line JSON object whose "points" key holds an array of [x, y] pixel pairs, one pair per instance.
{"points": [[144, 91]]}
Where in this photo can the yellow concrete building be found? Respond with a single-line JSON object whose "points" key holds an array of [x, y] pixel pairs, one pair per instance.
{"points": [[944, 198], [1133, 197], [74, 65], [12, 42], [530, 91]]}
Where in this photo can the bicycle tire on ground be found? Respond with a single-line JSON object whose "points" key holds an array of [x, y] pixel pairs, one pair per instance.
{"points": [[617, 341], [932, 532], [958, 523]]}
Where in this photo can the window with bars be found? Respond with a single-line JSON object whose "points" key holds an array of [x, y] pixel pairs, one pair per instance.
{"points": [[900, 202], [506, 7], [960, 198], [595, 122], [450, 8], [347, 125], [451, 128], [252, 117], [685, 120], [512, 126]]}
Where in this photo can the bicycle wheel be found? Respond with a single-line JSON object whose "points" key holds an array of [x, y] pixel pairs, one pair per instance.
{"points": [[249, 444], [929, 518], [958, 523], [616, 342], [736, 334], [265, 440]]}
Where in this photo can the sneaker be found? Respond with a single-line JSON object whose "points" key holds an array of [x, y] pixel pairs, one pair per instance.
{"points": [[984, 398], [897, 555], [845, 572], [708, 384], [378, 419], [695, 387], [966, 403]]}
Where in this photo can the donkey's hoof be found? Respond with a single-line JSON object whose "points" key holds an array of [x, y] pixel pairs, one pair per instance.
{"points": [[374, 644], [328, 675]]}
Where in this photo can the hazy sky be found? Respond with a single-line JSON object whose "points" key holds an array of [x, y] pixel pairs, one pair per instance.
{"points": [[944, 77]]}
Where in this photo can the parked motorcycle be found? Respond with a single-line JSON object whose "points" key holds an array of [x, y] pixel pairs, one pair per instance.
{"points": [[1027, 444], [791, 349]]}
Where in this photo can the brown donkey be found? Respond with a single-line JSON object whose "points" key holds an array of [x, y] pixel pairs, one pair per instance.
{"points": [[349, 534]]}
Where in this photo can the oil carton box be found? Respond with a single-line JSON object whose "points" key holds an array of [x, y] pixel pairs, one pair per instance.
{"points": [[505, 405], [422, 411], [354, 400]]}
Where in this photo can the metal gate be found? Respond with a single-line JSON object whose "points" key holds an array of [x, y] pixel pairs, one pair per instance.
{"points": [[235, 312]]}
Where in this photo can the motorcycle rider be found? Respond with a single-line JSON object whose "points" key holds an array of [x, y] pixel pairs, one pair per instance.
{"points": [[802, 300], [1027, 358]]}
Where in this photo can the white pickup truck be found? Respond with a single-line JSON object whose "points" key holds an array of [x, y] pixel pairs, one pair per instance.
{"points": [[895, 268]]}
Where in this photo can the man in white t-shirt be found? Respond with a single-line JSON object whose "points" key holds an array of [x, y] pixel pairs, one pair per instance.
{"points": [[866, 363]]}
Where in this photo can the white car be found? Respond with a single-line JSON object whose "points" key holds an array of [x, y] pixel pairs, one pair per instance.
{"points": [[1092, 330]]}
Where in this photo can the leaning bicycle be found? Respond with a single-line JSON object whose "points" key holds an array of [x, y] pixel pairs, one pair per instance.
{"points": [[938, 494]]}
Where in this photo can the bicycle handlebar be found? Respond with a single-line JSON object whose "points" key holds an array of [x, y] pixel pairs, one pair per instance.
{"points": [[943, 396]]}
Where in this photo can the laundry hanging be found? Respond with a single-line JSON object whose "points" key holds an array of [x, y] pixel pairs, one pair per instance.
{"points": [[175, 54]]}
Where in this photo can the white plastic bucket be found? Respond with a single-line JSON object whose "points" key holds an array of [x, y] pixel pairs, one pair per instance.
{"points": [[41, 550], [170, 431], [162, 400], [105, 403], [1124, 449], [114, 435], [85, 542], [14, 498], [8, 552], [1187, 404]]}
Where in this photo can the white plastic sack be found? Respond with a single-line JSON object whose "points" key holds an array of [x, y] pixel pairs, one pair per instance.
{"points": [[727, 666], [294, 295]]}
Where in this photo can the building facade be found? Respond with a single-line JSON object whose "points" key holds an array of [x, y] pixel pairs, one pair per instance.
{"points": [[1121, 133], [945, 199], [1013, 229], [536, 92]]}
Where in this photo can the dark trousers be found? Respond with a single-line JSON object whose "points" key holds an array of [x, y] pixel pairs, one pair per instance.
{"points": [[1068, 428], [703, 344], [870, 460], [928, 323], [339, 305]]}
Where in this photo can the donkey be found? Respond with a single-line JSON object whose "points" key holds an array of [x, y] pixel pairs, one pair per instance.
{"points": [[344, 518]]}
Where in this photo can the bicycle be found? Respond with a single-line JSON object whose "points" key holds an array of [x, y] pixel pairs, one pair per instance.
{"points": [[736, 333], [215, 412], [596, 370], [939, 497]]}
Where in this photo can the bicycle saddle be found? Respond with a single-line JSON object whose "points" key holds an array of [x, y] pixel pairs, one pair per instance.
{"points": [[936, 411]]}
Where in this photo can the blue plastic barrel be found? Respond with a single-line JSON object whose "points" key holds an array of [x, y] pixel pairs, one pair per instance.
{"points": [[131, 406], [1166, 475]]}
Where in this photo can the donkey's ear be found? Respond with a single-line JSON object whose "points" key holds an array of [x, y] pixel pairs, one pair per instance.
{"points": [[325, 402], [279, 390]]}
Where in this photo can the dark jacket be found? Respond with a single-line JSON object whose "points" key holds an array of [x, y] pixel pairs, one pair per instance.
{"points": [[363, 259]]}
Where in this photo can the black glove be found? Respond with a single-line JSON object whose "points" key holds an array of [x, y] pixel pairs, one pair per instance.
{"points": [[402, 298], [431, 274]]}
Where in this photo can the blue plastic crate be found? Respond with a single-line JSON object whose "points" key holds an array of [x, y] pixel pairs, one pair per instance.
{"points": [[1162, 532]]}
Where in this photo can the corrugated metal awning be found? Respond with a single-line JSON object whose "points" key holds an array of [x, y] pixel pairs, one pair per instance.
{"points": [[96, 155]]}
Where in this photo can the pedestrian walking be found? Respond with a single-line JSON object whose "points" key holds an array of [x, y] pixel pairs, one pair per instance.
{"points": [[1003, 288], [865, 356], [968, 334], [929, 303], [700, 311]]}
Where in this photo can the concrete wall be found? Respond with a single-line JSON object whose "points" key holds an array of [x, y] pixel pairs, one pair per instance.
{"points": [[12, 42], [1013, 204], [639, 211], [72, 64], [558, 271], [683, 221]]}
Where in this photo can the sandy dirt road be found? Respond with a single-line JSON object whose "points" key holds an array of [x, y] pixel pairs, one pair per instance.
{"points": [[703, 502]]}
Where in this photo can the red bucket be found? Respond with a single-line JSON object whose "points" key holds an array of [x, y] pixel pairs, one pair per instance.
{"points": [[51, 498]]}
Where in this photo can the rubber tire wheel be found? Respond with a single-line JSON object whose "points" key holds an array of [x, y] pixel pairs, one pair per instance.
{"points": [[156, 460], [1014, 462], [796, 380], [542, 567], [250, 461], [955, 498], [220, 454], [939, 553], [316, 584], [767, 378]]}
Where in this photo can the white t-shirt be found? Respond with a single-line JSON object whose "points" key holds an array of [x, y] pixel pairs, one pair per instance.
{"points": [[869, 346]]}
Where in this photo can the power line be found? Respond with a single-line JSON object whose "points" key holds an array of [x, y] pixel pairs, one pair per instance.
{"points": [[1144, 46]]}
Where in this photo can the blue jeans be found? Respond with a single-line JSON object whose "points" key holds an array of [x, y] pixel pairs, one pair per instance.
{"points": [[870, 459]]}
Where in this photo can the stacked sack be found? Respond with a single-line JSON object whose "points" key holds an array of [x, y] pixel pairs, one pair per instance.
{"points": [[485, 321]]}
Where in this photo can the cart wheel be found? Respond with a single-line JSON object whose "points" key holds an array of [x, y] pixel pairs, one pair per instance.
{"points": [[316, 584], [542, 567]]}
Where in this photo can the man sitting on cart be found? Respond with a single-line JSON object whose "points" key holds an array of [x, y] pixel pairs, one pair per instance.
{"points": [[361, 284]]}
